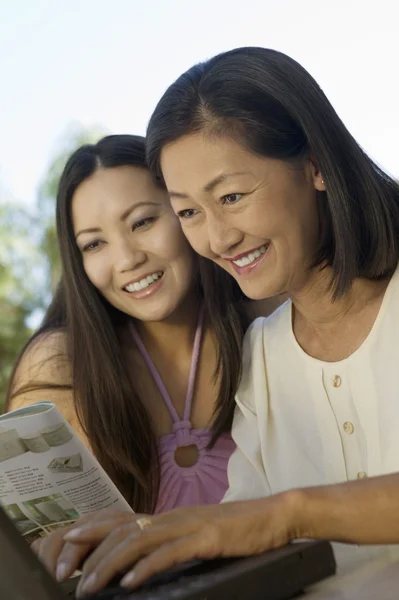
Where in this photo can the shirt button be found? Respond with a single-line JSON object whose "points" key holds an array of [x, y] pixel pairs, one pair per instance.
{"points": [[348, 427], [362, 475], [337, 381]]}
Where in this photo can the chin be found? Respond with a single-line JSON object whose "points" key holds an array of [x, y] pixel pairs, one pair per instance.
{"points": [[161, 311], [147, 313], [155, 315], [261, 292]]}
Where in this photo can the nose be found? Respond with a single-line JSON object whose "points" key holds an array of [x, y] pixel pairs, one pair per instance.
{"points": [[223, 237], [126, 257]]}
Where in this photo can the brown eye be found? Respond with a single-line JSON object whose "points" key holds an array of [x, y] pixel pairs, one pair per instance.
{"points": [[91, 246], [143, 223], [187, 213], [231, 198]]}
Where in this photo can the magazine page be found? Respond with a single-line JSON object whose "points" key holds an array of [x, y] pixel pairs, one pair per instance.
{"points": [[48, 478]]}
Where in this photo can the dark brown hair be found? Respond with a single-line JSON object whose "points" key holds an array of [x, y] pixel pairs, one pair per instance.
{"points": [[276, 109], [111, 411]]}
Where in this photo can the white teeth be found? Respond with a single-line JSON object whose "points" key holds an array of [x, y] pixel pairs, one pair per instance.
{"points": [[247, 260], [143, 283]]}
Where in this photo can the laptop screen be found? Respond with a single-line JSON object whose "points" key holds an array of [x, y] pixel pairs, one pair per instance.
{"points": [[22, 576]]}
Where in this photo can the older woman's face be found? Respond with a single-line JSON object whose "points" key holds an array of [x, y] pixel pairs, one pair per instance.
{"points": [[256, 217]]}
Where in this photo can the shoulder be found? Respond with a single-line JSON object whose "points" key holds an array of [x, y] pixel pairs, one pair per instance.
{"points": [[268, 328], [43, 370], [264, 308], [47, 345], [44, 373], [45, 358], [394, 287], [264, 336]]}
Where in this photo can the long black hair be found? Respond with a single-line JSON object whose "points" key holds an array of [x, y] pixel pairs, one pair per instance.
{"points": [[271, 104], [111, 411]]}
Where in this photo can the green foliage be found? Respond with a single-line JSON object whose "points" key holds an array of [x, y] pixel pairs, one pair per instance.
{"points": [[19, 279], [48, 192], [29, 257]]}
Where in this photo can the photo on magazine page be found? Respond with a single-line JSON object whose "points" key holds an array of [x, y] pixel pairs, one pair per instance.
{"points": [[48, 478]]}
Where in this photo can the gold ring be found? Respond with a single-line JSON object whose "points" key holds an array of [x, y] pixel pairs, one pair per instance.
{"points": [[143, 523]]}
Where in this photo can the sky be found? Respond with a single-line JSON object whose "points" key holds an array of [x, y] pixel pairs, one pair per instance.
{"points": [[106, 63]]}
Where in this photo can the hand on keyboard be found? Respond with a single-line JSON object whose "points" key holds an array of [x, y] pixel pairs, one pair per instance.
{"points": [[226, 530], [62, 558]]}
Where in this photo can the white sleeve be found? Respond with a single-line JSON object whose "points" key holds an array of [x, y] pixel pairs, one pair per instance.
{"points": [[246, 472]]}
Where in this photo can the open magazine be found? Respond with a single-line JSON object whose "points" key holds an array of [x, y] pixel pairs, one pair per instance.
{"points": [[48, 478]]}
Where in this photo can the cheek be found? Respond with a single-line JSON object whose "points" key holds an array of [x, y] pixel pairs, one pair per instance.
{"points": [[187, 268], [97, 271], [170, 242], [197, 237], [180, 253]]}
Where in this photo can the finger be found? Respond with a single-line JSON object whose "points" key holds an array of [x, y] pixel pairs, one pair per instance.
{"points": [[194, 546], [118, 552], [50, 549], [98, 551], [94, 577], [128, 543], [73, 554], [35, 546], [95, 532], [112, 553], [70, 558]]}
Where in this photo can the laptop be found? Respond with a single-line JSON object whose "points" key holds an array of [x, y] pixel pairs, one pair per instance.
{"points": [[274, 575]]}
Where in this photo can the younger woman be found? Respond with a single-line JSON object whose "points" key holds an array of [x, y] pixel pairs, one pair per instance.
{"points": [[128, 350]]}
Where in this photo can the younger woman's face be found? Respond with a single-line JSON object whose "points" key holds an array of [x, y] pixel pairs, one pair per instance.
{"points": [[254, 216], [132, 246]]}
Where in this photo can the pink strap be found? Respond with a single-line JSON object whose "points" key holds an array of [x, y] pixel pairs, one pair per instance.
{"points": [[193, 369]]}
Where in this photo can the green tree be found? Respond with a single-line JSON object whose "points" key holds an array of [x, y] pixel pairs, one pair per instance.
{"points": [[20, 280], [29, 258], [76, 136]]}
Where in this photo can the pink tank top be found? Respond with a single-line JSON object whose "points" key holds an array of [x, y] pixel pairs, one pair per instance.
{"points": [[205, 482]]}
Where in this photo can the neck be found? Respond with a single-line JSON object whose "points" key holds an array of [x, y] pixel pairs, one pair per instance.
{"points": [[314, 302], [176, 331]]}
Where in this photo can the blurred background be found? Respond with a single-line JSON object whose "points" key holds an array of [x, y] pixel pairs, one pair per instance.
{"points": [[72, 72]]}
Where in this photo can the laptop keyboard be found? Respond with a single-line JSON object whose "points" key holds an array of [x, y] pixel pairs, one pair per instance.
{"points": [[283, 573], [170, 584]]}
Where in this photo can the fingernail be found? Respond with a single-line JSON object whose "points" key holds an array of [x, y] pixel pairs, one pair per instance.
{"points": [[87, 586], [73, 534], [128, 579], [61, 572]]}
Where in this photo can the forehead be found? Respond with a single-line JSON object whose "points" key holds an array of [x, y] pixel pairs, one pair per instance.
{"points": [[126, 180], [195, 160], [112, 189]]}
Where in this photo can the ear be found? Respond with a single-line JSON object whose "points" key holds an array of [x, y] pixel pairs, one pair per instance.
{"points": [[316, 175]]}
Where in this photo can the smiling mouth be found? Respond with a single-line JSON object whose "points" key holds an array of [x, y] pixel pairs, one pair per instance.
{"points": [[251, 257], [144, 283]]}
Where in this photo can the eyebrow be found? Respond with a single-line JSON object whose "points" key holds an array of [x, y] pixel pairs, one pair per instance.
{"points": [[210, 186], [123, 216]]}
